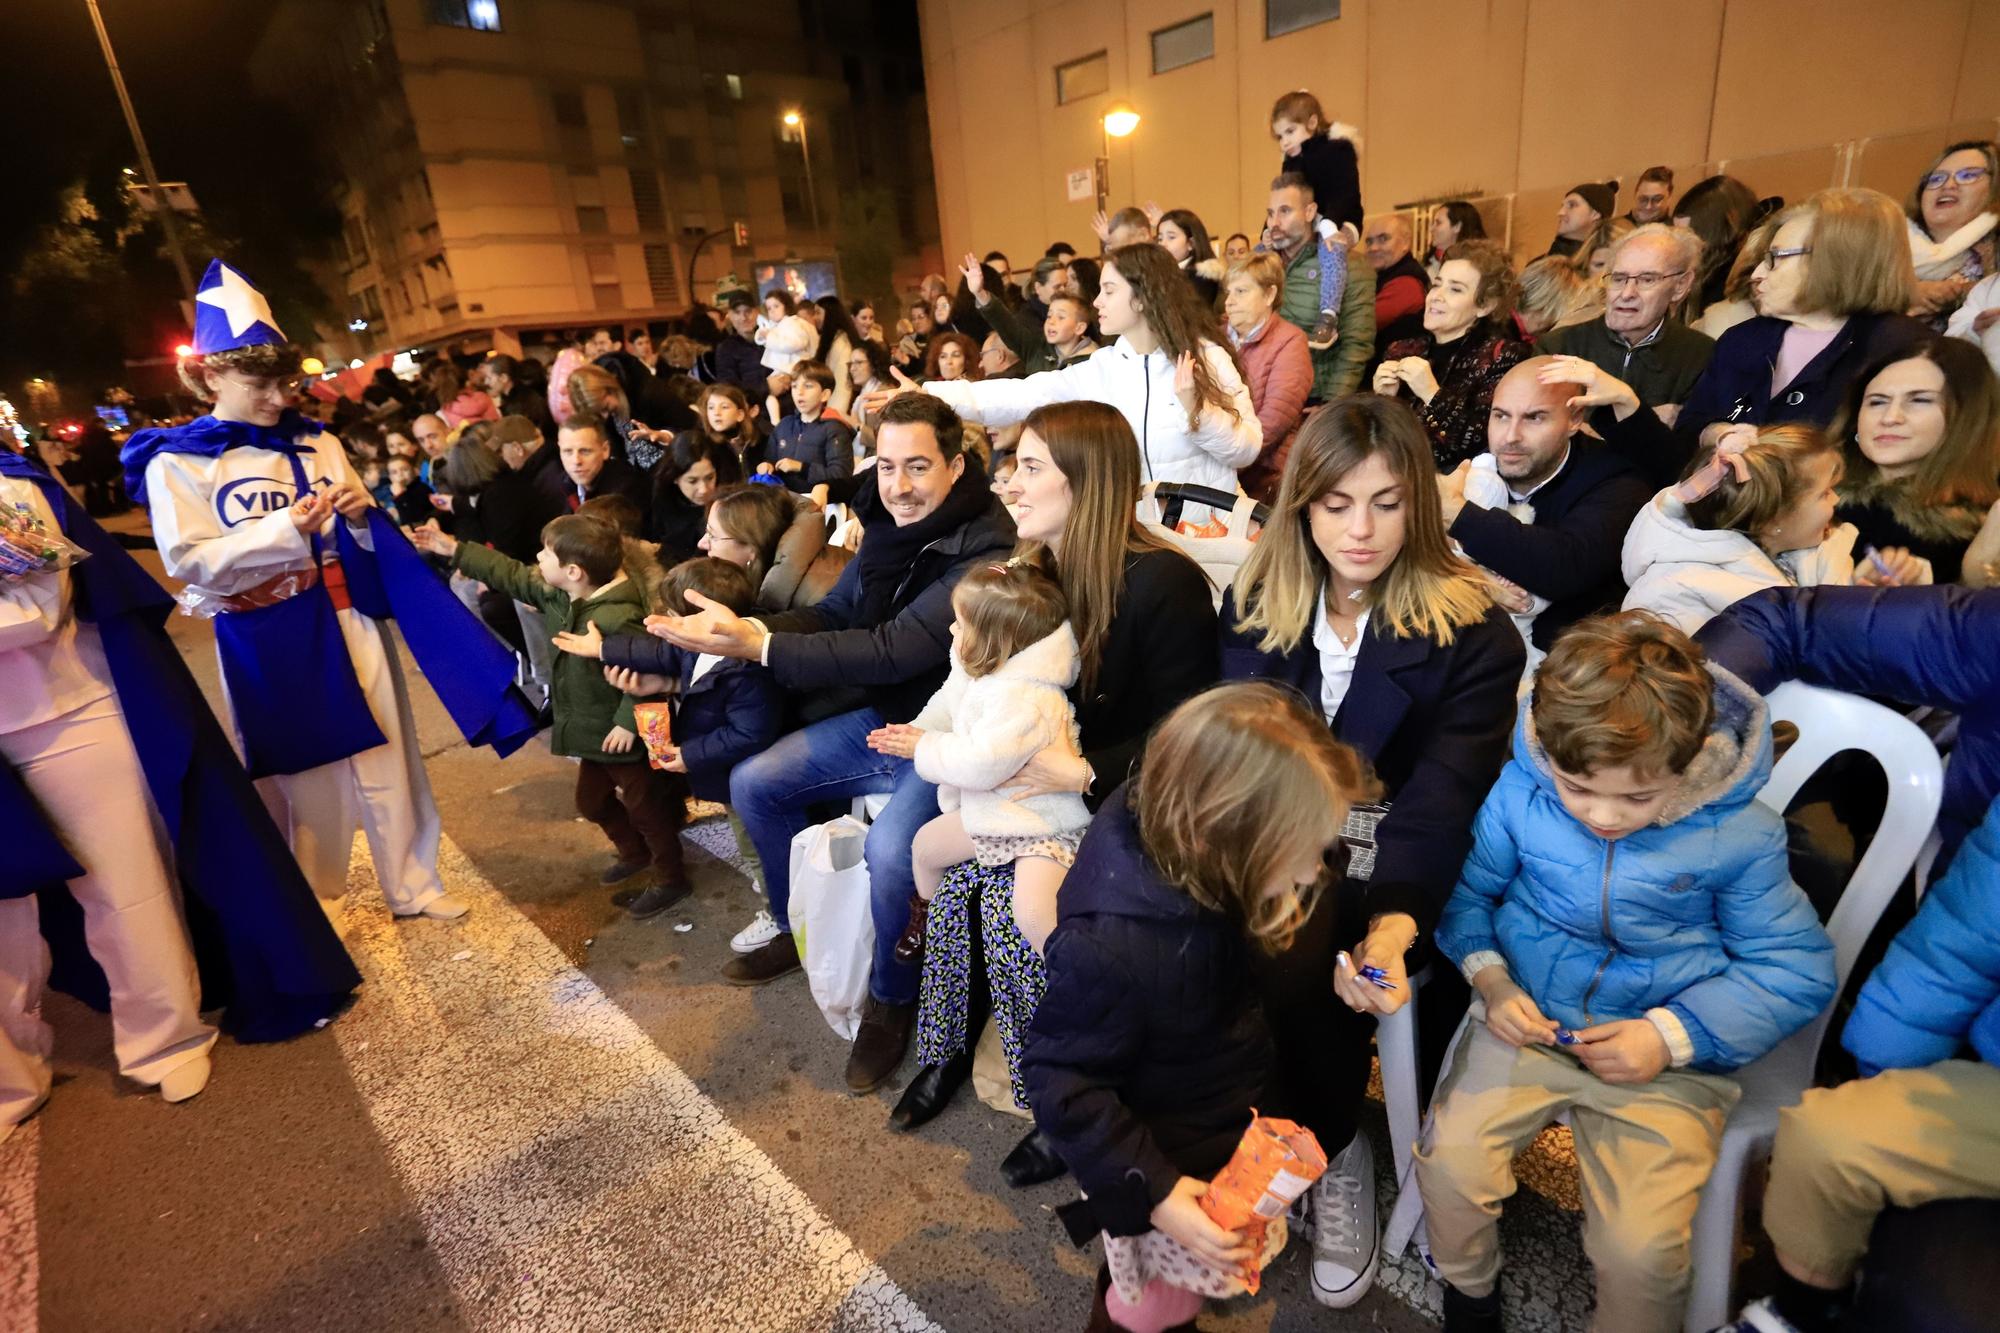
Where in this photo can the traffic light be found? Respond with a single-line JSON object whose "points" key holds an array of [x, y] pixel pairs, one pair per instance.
{"points": [[742, 235]]}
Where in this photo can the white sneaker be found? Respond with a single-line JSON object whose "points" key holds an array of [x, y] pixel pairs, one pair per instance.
{"points": [[444, 907], [185, 1081], [1759, 1317], [1346, 1246], [760, 932]]}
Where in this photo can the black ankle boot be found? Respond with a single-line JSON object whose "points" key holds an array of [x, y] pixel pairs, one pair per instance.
{"points": [[930, 1092], [1471, 1314], [1033, 1162]]}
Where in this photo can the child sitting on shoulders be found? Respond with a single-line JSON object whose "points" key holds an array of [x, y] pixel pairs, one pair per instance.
{"points": [[1755, 511], [724, 709], [580, 587], [1323, 152], [1150, 1049], [1013, 655], [1628, 920]]}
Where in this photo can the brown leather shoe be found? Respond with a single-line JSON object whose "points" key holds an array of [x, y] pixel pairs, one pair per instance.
{"points": [[765, 963], [879, 1044]]}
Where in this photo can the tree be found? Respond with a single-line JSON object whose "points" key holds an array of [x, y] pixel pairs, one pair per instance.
{"points": [[869, 230]]}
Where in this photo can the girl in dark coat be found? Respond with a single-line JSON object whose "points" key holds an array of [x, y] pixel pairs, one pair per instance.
{"points": [[1146, 1062], [1146, 629], [1354, 596]]}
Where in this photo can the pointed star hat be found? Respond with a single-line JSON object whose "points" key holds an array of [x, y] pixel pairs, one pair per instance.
{"points": [[230, 313]]}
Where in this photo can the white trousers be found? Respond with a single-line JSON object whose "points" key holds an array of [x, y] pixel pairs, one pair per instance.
{"points": [[85, 775], [383, 791]]}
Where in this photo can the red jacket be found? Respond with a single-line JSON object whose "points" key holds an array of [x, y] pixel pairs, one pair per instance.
{"points": [[1277, 366]]}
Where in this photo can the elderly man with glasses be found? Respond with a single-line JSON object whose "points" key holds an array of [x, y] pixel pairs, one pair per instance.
{"points": [[1637, 339]]}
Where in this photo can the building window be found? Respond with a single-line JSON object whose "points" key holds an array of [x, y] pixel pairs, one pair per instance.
{"points": [[1184, 43], [568, 107], [1283, 16], [357, 242], [1083, 78], [735, 82], [482, 15]]}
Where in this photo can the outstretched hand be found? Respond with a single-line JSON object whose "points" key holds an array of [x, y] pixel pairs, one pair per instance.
{"points": [[975, 276], [713, 628], [430, 537], [590, 643], [1100, 222], [876, 399], [897, 738]]}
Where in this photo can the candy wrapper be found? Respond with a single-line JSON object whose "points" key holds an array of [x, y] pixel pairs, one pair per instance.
{"points": [[30, 546], [656, 729], [1276, 1162]]}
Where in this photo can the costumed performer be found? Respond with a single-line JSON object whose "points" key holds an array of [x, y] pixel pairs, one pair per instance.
{"points": [[108, 753], [258, 510]]}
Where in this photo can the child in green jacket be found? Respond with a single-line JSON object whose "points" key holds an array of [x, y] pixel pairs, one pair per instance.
{"points": [[579, 580]]}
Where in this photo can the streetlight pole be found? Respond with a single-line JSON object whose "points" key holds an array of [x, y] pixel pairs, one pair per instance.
{"points": [[797, 120], [145, 159]]}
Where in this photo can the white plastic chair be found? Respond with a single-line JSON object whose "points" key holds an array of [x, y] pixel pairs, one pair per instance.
{"points": [[1219, 557], [1829, 722]]}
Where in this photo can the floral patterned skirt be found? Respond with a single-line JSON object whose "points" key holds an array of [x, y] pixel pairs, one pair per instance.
{"points": [[1154, 1255], [1014, 971]]}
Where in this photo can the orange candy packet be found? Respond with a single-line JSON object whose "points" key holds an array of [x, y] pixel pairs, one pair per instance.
{"points": [[1276, 1162], [656, 730]]}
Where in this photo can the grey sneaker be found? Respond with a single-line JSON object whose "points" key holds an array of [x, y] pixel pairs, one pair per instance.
{"points": [[1346, 1245]]}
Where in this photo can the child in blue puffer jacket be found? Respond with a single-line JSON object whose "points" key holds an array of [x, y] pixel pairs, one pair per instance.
{"points": [[1629, 922]]}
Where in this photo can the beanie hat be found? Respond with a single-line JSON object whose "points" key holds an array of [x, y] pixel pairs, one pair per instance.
{"points": [[1600, 195]]}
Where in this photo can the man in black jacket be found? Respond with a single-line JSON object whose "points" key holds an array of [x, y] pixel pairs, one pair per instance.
{"points": [[1570, 500], [588, 470], [502, 379], [738, 358], [886, 628], [1636, 338]]}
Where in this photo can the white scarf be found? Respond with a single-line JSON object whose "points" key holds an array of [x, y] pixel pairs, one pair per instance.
{"points": [[1944, 259]]}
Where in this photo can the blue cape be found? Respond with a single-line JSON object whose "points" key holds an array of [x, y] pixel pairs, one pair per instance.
{"points": [[265, 948], [209, 438], [471, 670]]}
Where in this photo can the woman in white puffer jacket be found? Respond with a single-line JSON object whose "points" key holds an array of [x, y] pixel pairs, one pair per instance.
{"points": [[1013, 656], [1755, 513], [1169, 374]]}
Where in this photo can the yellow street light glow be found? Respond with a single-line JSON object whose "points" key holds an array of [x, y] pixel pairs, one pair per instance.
{"points": [[791, 118], [1120, 120]]}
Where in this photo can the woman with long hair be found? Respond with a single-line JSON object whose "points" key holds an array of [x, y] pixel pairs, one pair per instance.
{"points": [[951, 356], [1354, 595], [1554, 293], [779, 539], [1182, 235], [1469, 344], [1921, 433], [1171, 375], [838, 336], [683, 485], [1145, 626], [1721, 210]]}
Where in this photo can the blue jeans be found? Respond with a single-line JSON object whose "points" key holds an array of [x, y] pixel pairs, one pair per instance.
{"points": [[830, 761]]}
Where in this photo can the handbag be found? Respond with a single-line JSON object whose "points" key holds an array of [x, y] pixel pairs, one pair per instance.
{"points": [[832, 921]]}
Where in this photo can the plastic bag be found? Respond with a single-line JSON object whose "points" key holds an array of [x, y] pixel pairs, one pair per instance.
{"points": [[29, 546], [1276, 1162], [831, 919]]}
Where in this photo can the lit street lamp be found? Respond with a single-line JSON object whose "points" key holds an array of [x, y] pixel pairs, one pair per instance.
{"points": [[796, 120], [1118, 122]]}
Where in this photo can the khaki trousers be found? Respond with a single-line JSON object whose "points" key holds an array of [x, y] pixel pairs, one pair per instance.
{"points": [[85, 775], [1900, 1139], [1644, 1153]]}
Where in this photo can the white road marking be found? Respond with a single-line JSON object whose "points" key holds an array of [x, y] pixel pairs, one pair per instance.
{"points": [[567, 1172]]}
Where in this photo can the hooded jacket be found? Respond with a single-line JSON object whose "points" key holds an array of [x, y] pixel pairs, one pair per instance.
{"points": [[1141, 387], [1148, 1049], [1688, 574], [1938, 987], [980, 730], [1693, 922]]}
